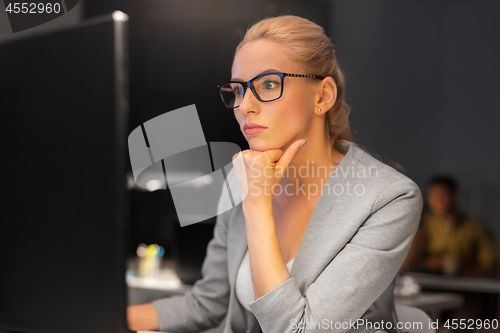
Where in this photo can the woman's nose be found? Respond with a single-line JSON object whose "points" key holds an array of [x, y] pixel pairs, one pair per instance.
{"points": [[249, 103]]}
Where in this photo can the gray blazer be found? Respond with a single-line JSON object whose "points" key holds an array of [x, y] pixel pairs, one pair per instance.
{"points": [[354, 244]]}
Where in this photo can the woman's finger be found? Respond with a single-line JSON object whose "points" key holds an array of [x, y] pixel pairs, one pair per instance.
{"points": [[289, 154]]}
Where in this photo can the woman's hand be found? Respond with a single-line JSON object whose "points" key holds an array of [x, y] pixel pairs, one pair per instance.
{"points": [[142, 317], [259, 173]]}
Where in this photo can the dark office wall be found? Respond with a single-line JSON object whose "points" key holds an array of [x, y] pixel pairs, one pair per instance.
{"points": [[470, 135], [390, 52], [423, 82]]}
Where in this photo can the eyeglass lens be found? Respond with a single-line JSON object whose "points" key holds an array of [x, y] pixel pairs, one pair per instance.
{"points": [[267, 88]]}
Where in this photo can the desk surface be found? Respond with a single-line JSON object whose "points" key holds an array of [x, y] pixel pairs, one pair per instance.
{"points": [[432, 302], [429, 302], [456, 283], [169, 285]]}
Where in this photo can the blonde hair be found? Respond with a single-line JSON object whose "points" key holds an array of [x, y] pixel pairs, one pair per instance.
{"points": [[306, 43]]}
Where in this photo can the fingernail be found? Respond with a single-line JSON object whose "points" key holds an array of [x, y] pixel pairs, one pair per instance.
{"points": [[303, 143]]}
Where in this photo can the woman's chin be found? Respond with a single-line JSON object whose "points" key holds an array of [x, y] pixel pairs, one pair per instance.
{"points": [[258, 145], [262, 146]]}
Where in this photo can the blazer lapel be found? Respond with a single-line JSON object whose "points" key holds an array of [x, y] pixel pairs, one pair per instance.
{"points": [[318, 247], [237, 243]]}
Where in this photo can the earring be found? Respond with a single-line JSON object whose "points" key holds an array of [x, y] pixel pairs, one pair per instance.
{"points": [[319, 110]]}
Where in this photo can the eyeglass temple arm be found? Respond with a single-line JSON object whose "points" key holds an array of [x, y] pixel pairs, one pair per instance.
{"points": [[304, 75]]}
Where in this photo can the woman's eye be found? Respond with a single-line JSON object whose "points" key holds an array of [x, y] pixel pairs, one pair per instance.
{"points": [[239, 91], [269, 84]]}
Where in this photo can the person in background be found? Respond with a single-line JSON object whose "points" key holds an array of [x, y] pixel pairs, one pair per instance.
{"points": [[452, 242], [449, 240]]}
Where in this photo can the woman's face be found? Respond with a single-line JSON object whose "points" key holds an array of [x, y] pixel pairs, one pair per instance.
{"points": [[286, 119]]}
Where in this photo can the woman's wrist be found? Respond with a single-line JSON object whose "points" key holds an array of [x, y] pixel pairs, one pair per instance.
{"points": [[257, 204], [142, 317]]}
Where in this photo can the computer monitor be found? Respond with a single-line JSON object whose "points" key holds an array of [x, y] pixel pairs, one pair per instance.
{"points": [[63, 149]]}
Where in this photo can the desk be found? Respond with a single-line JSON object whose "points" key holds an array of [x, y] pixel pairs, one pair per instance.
{"points": [[144, 290], [432, 302], [458, 284]]}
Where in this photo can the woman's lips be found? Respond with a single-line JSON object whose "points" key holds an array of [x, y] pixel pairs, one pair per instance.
{"points": [[254, 130]]}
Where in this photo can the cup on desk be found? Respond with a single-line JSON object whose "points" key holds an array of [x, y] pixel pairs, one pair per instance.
{"points": [[450, 264]]}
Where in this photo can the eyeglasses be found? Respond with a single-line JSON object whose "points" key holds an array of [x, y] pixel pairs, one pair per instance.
{"points": [[265, 87]]}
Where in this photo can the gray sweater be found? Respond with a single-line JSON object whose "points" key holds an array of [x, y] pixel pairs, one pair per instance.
{"points": [[344, 270]]}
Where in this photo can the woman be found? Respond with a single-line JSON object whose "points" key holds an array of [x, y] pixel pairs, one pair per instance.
{"points": [[323, 228]]}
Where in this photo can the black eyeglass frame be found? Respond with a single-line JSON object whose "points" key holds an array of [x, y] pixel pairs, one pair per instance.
{"points": [[249, 84]]}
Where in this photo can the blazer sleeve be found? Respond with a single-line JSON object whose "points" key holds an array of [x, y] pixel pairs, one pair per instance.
{"points": [[206, 304], [357, 275]]}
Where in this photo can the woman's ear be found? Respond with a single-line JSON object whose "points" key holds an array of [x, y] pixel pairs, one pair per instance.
{"points": [[327, 95]]}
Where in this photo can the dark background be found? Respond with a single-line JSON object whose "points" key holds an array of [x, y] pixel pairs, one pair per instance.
{"points": [[422, 80]]}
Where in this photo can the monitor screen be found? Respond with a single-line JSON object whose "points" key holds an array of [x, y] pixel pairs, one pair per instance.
{"points": [[63, 200]]}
